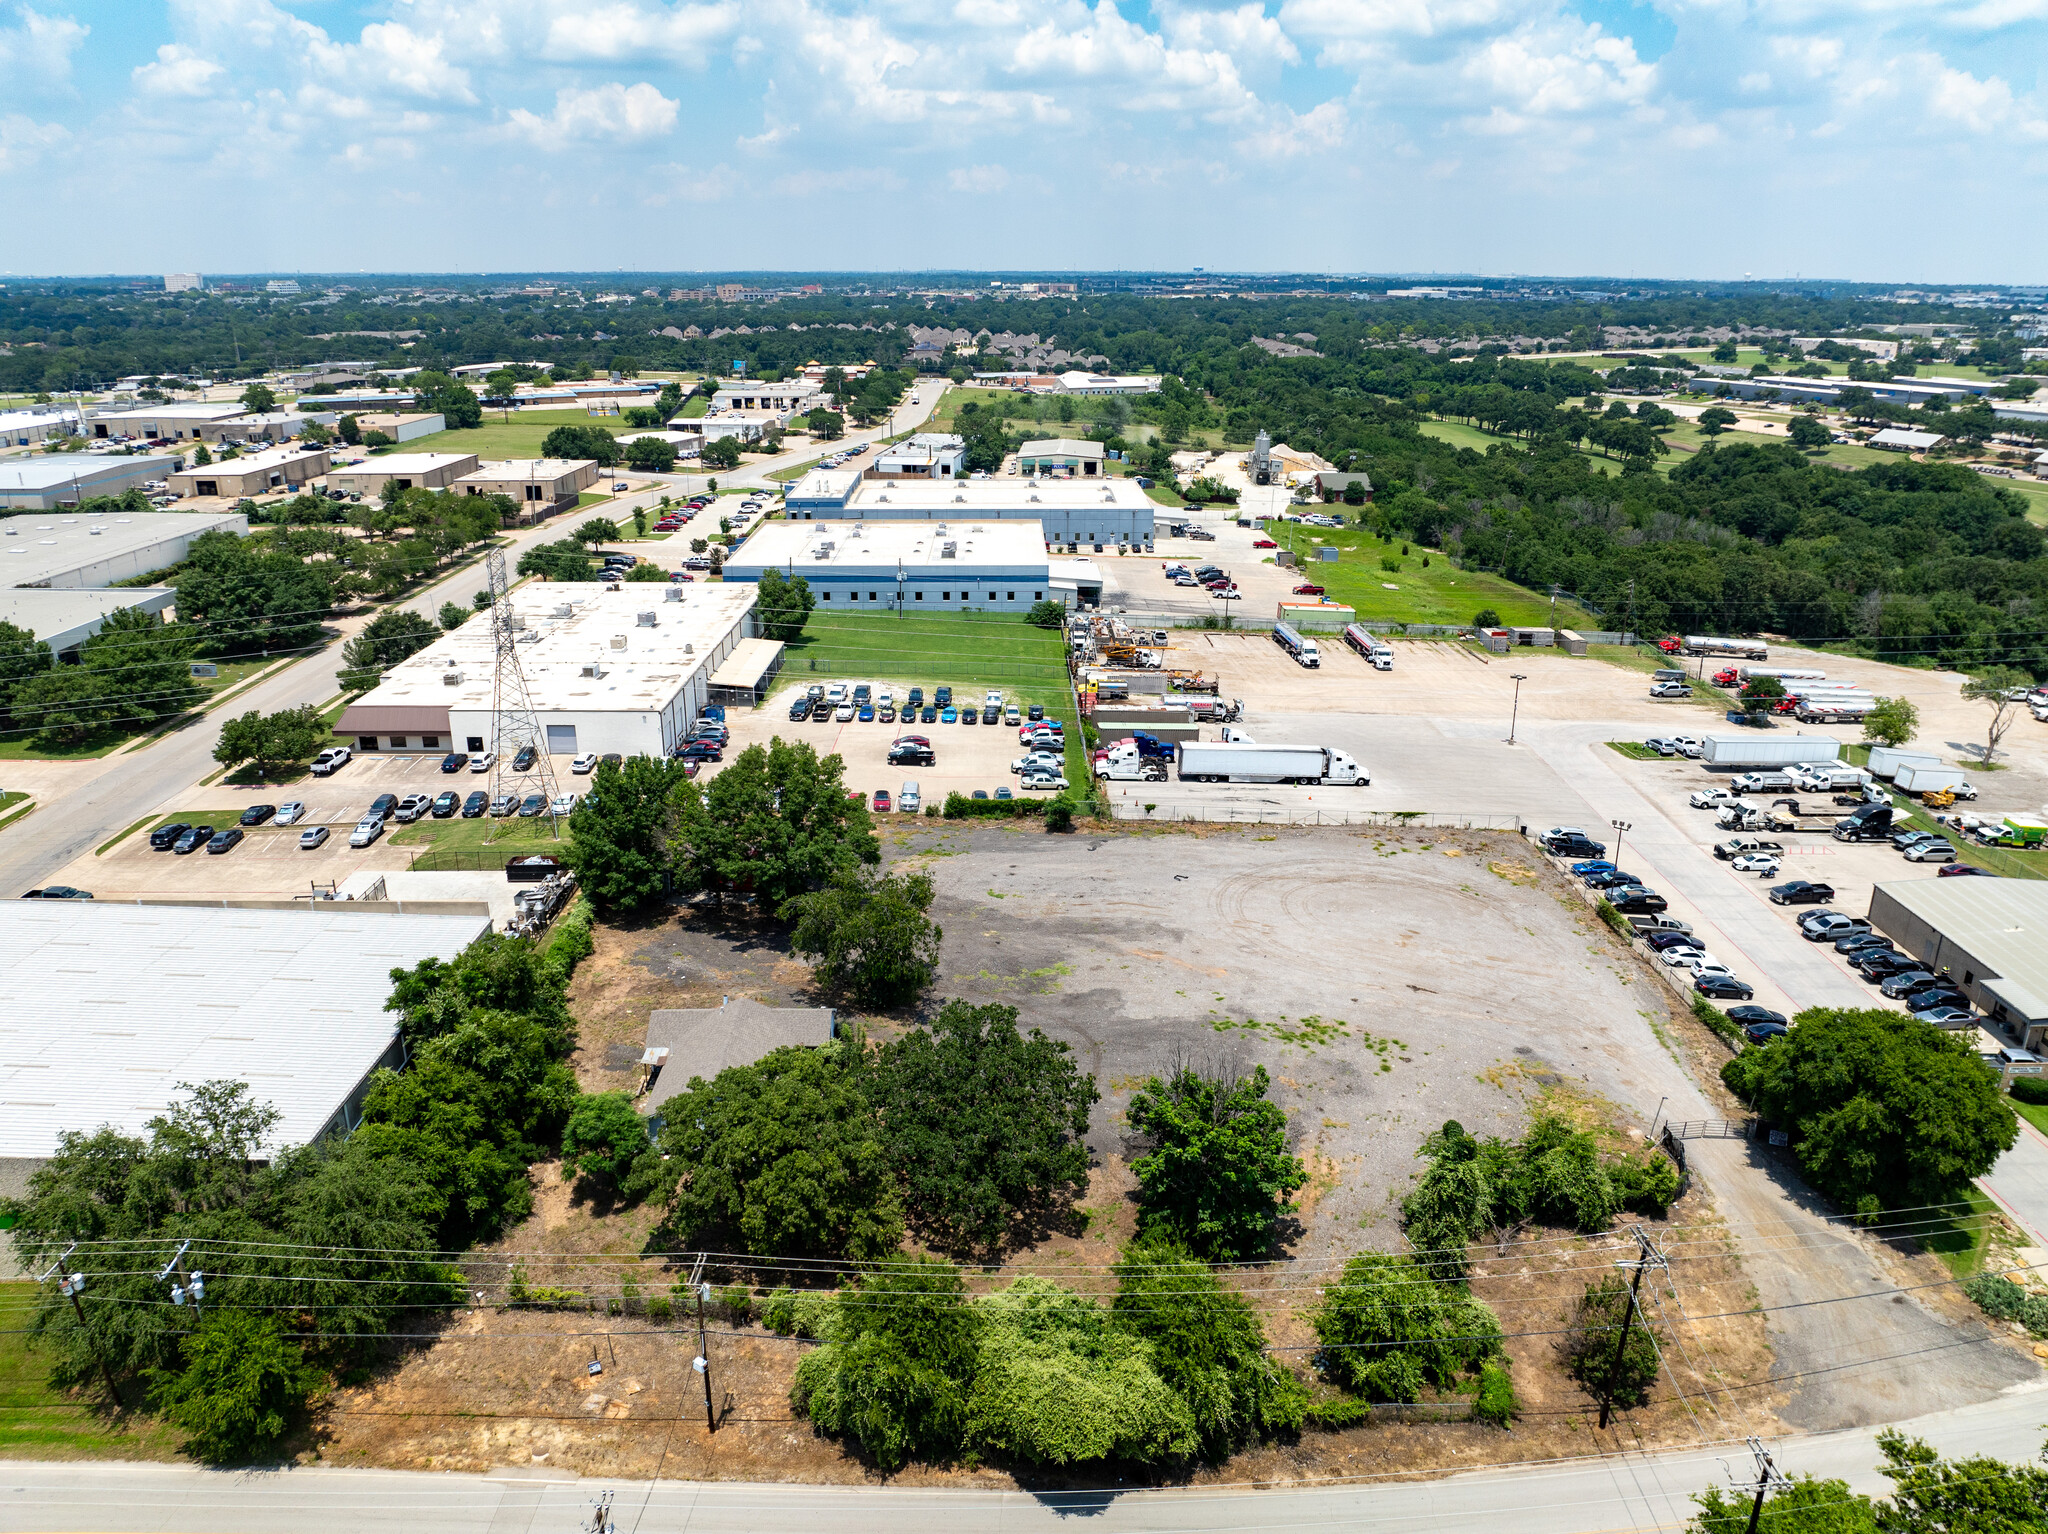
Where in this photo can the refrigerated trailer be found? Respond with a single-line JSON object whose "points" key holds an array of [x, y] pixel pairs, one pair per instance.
{"points": [[1887, 760], [1242, 762]]}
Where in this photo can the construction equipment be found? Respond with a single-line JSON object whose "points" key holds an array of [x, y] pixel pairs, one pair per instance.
{"points": [[1194, 681], [1938, 798], [1129, 656]]}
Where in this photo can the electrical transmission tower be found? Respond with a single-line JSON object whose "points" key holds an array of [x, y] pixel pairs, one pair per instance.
{"points": [[514, 722]]}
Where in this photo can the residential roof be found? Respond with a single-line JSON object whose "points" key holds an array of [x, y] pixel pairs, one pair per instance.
{"points": [[132, 1000], [2001, 923], [812, 548], [702, 1041], [38, 546]]}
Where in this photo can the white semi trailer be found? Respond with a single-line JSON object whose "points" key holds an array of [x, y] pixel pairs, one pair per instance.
{"points": [[1204, 761]]}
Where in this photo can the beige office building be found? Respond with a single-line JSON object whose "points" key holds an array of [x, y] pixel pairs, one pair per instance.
{"points": [[280, 468], [412, 471], [541, 486]]}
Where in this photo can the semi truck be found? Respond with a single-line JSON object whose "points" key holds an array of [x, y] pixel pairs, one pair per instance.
{"points": [[1215, 762], [1734, 676], [1375, 649], [1768, 750], [1302, 649], [1708, 644]]}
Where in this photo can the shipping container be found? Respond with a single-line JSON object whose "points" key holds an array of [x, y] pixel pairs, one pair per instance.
{"points": [[1768, 750], [1886, 760], [1214, 762]]}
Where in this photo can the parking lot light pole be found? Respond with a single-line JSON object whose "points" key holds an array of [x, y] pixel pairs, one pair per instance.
{"points": [[1621, 829], [1519, 678]]}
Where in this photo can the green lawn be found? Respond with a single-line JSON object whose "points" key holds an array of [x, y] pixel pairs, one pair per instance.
{"points": [[520, 437], [1442, 593], [460, 843], [1458, 434], [2034, 1113], [1961, 1243], [961, 650], [38, 1421]]}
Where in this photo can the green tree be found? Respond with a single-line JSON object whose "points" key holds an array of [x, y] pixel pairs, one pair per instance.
{"points": [[1388, 1329], [782, 1158], [896, 1366], [1047, 615], [1931, 1495], [1724, 351], [1883, 1111], [619, 833], [243, 1386], [2002, 690], [1808, 1506], [201, 457], [1714, 420], [259, 399], [783, 605], [575, 442], [135, 671], [723, 453], [272, 742], [1892, 721], [567, 560], [315, 434], [22, 656], [596, 530], [987, 1126], [825, 425], [350, 430], [252, 597], [651, 455], [453, 615], [870, 935], [649, 573], [374, 439], [606, 1144], [1486, 618], [455, 402], [1217, 1173], [1760, 694], [386, 639], [1606, 1315], [1808, 431], [777, 821]]}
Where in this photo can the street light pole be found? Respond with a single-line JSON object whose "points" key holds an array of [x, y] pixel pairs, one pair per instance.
{"points": [[1519, 678], [1621, 829]]}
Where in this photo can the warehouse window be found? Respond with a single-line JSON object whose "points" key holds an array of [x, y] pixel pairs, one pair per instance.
{"points": [[826, 595], [398, 742], [1013, 596], [945, 596], [920, 596], [1038, 596], [431, 742], [476, 743], [871, 596], [366, 742]]}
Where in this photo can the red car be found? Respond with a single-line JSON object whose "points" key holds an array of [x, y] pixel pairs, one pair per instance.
{"points": [[1264, 543], [881, 805], [1308, 591]]}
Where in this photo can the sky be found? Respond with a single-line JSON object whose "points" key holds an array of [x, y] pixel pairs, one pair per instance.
{"points": [[1881, 140]]}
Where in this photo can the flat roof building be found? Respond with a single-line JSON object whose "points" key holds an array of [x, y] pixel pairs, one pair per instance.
{"points": [[1098, 512], [702, 1041], [39, 423], [412, 471], [1073, 456], [65, 617], [1900, 440], [401, 425], [72, 550], [154, 423], [541, 486], [747, 425], [1988, 935], [273, 427], [1078, 382], [746, 675], [50, 480], [926, 455], [277, 468], [785, 399], [963, 564], [131, 1000], [625, 671]]}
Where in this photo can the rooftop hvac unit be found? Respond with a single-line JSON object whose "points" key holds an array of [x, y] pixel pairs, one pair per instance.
{"points": [[618, 641], [948, 549], [531, 636], [593, 668], [689, 649], [95, 531], [675, 593], [960, 498], [565, 610], [647, 620], [451, 678]]}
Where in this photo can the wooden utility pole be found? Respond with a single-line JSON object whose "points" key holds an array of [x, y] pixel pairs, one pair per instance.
{"points": [[1650, 1258], [71, 1285], [703, 1360], [1767, 1479]]}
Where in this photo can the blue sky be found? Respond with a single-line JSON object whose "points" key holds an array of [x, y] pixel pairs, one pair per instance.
{"points": [[1895, 140]]}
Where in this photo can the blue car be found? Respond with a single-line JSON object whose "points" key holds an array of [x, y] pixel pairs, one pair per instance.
{"points": [[1592, 866], [867, 713], [949, 715]]}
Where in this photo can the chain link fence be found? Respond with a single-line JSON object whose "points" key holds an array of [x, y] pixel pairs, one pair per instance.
{"points": [[1311, 815]]}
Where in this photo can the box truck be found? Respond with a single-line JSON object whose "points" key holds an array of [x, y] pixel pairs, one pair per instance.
{"points": [[1303, 650], [1932, 777], [1768, 750], [1215, 762], [1887, 760]]}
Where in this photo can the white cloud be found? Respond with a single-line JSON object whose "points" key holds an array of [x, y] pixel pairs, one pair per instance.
{"points": [[1550, 72], [626, 113], [1979, 105], [23, 140], [1246, 33], [178, 71], [37, 51], [1754, 83], [392, 56], [1101, 46], [811, 183], [1317, 131], [978, 178], [682, 34]]}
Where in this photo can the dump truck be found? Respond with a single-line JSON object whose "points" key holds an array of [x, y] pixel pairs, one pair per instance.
{"points": [[1215, 762]]}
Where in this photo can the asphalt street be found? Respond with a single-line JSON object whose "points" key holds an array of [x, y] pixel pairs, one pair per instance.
{"points": [[1620, 1491]]}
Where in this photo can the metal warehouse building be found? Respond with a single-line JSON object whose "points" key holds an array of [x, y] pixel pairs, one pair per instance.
{"points": [[66, 617], [49, 480], [163, 422], [277, 468], [625, 671], [1989, 935], [72, 550], [1097, 512], [130, 1000], [972, 566]]}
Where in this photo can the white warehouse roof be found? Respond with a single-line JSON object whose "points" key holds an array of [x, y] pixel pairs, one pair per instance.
{"points": [[46, 547], [131, 1000], [57, 471], [846, 547]]}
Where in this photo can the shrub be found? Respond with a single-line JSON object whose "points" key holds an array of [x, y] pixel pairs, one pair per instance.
{"points": [[1588, 1347], [1496, 1401], [1059, 815], [1217, 1171], [2003, 1300], [1614, 919], [1332, 1416], [1389, 1329], [2031, 1089], [1718, 1023], [1486, 618], [571, 942], [960, 807], [1390, 564], [659, 1309], [242, 1388], [738, 1302]]}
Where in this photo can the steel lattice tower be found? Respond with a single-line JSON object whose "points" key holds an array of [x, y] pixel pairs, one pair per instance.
{"points": [[514, 722]]}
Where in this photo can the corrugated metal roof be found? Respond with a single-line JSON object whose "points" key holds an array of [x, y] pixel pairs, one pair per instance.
{"points": [[110, 1006], [2001, 923]]}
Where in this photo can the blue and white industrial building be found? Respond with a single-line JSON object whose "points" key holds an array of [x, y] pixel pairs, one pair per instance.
{"points": [[45, 481], [1100, 513], [962, 565]]}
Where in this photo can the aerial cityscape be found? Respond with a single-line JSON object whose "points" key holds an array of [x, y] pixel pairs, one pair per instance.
{"points": [[722, 807]]}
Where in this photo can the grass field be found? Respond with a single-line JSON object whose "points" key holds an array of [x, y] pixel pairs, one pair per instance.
{"points": [[520, 437], [979, 650], [467, 838], [1442, 593], [1458, 434], [1961, 1244], [40, 1422], [2034, 1113]]}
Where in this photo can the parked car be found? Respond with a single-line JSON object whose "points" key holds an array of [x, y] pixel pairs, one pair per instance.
{"points": [[256, 814], [523, 762], [163, 838], [844, 713], [1050, 782], [1947, 1016], [1660, 941], [1723, 988], [1763, 1032], [1906, 981], [587, 762], [503, 805], [1576, 847], [1833, 928], [565, 804], [1931, 998], [800, 708], [1882, 964], [1952, 870], [329, 760], [1683, 955], [483, 762], [533, 804], [909, 800], [1037, 761], [702, 751], [1747, 1015], [1306, 590], [1934, 850], [1908, 837], [446, 803], [1801, 892], [192, 839], [865, 713], [475, 804], [312, 837], [881, 802], [455, 761], [58, 892], [290, 812], [1861, 942], [1264, 543], [411, 808], [224, 841], [1592, 866], [367, 830], [1613, 878], [1670, 690], [969, 714]]}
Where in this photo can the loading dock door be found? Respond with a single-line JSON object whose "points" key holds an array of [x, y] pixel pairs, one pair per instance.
{"points": [[561, 740]]}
